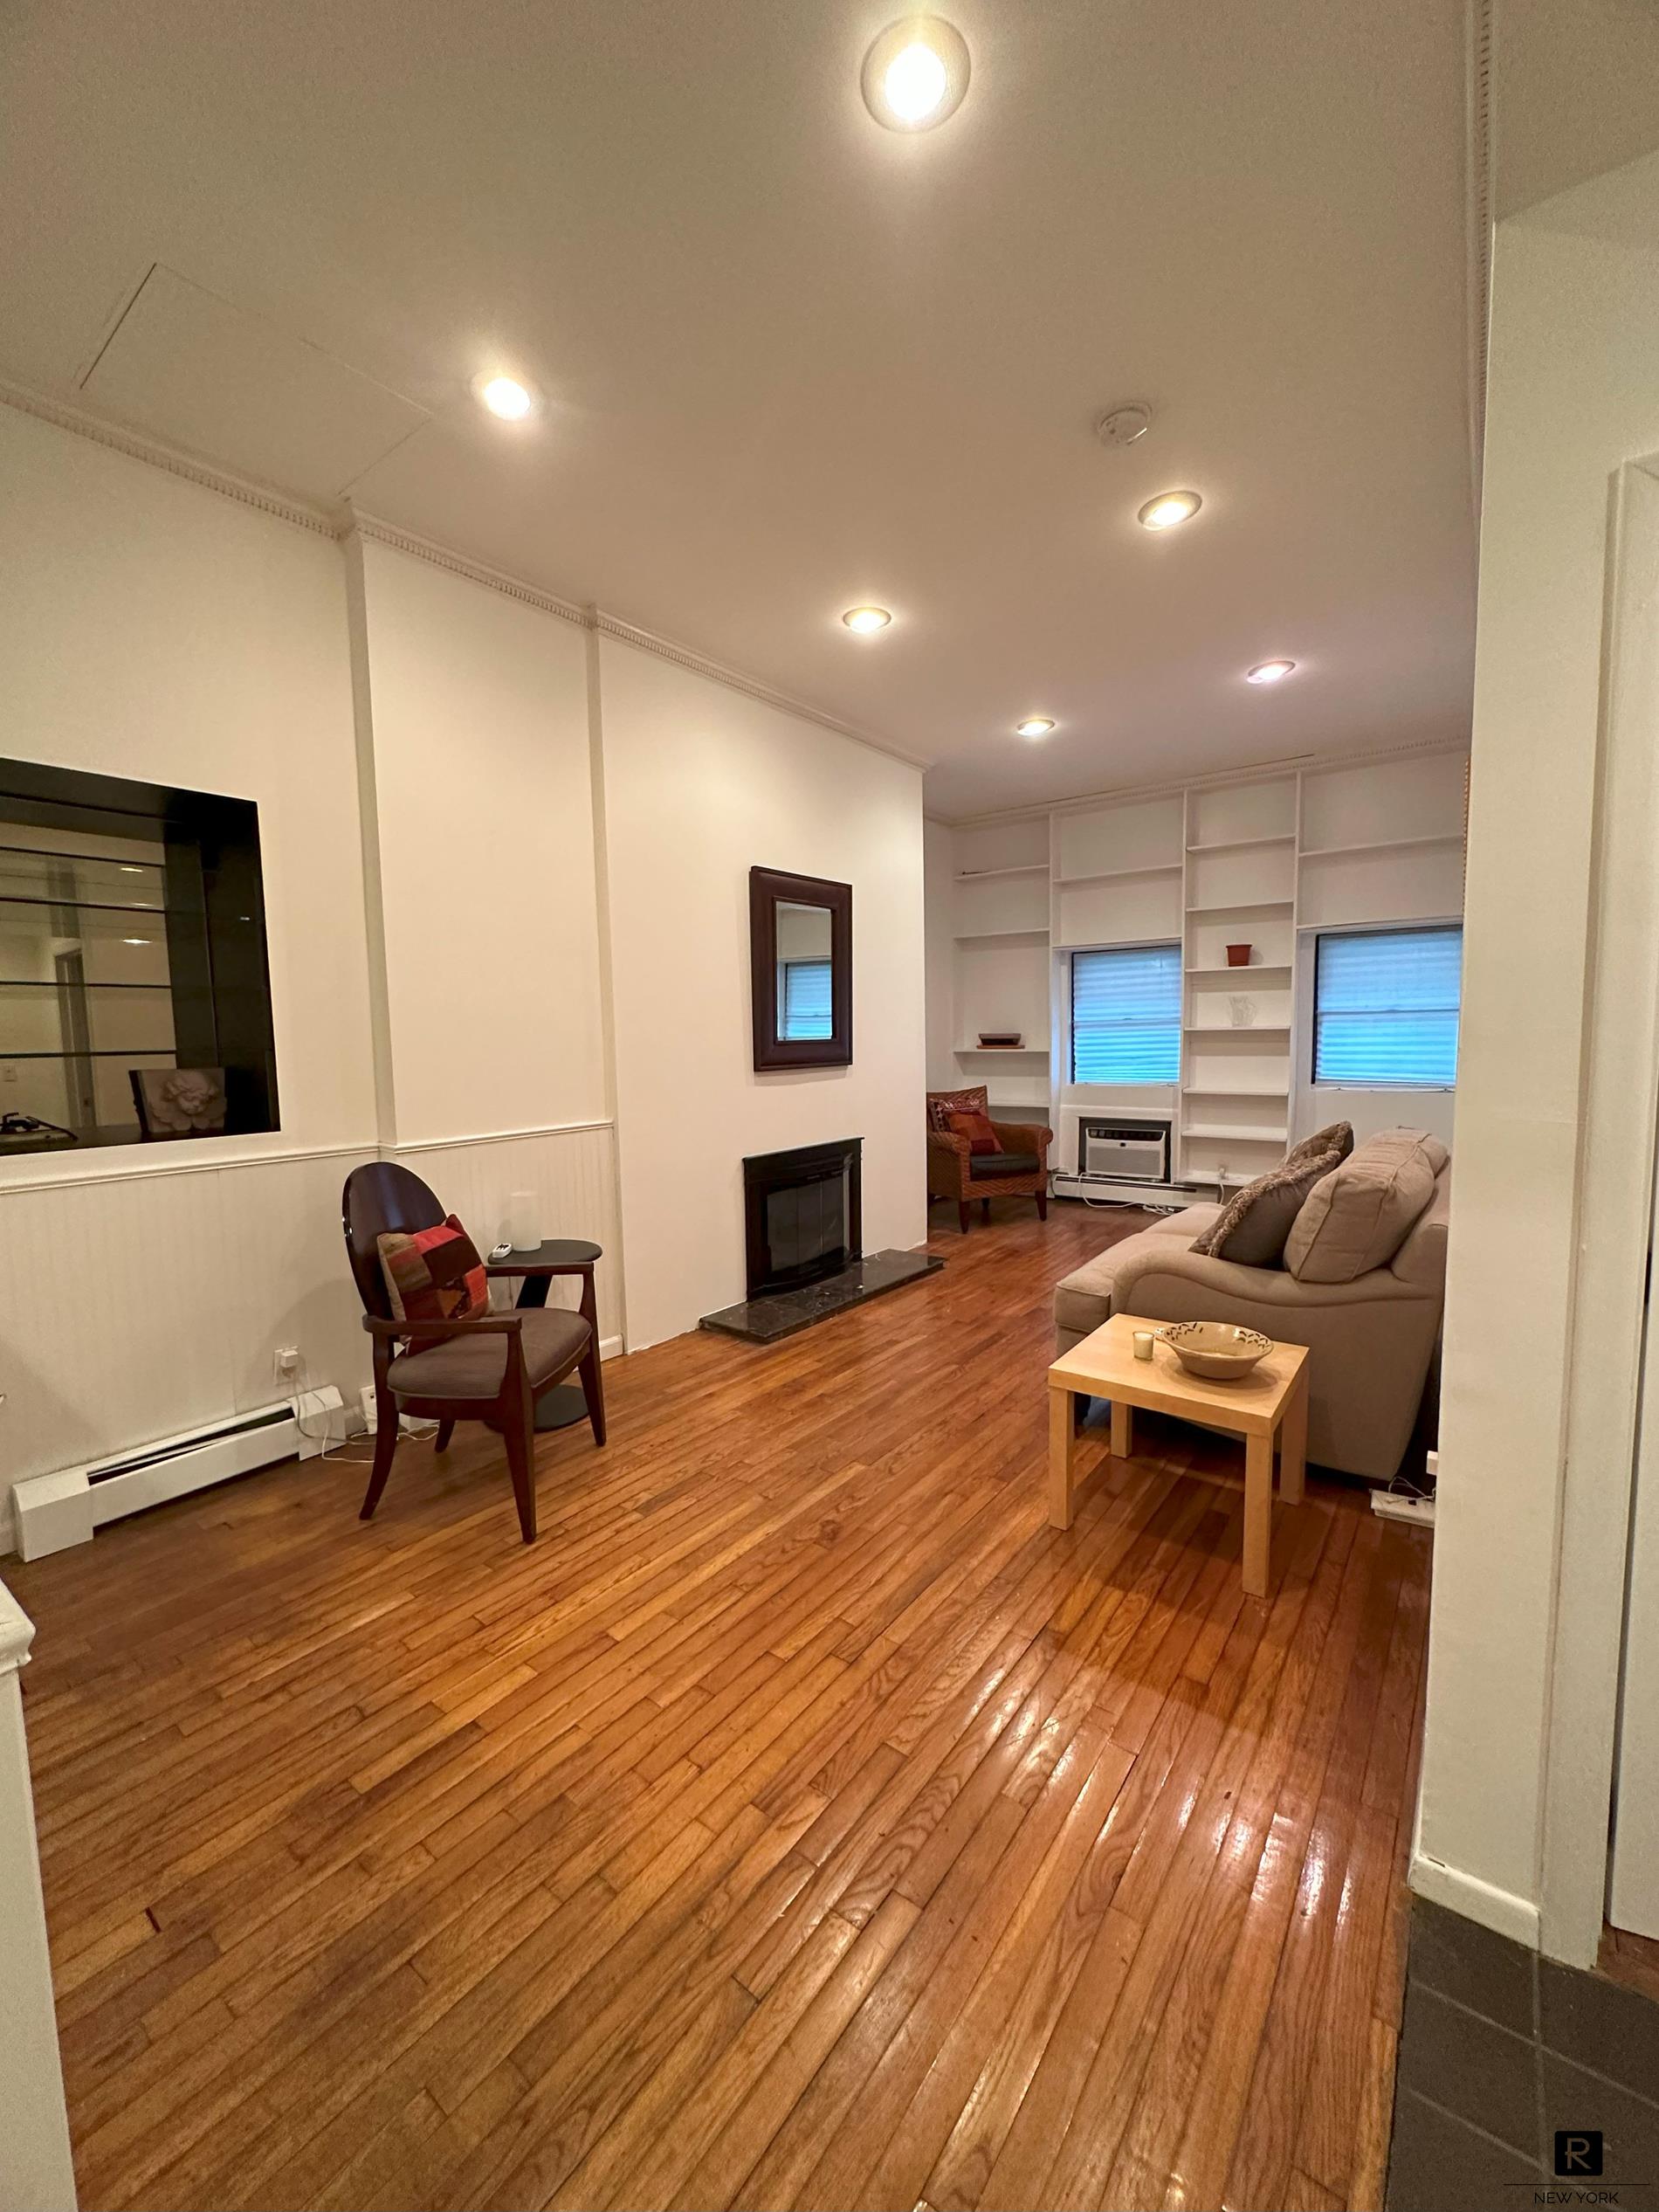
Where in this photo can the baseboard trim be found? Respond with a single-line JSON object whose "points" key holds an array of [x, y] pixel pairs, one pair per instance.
{"points": [[1499, 1910]]}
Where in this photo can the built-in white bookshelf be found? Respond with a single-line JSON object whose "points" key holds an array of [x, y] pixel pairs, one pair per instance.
{"points": [[1265, 862]]}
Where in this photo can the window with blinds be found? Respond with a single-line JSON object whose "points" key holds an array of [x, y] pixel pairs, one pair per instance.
{"points": [[803, 999], [1125, 1015], [1385, 1008]]}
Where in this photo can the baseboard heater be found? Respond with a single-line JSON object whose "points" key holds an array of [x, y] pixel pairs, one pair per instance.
{"points": [[50, 1512]]}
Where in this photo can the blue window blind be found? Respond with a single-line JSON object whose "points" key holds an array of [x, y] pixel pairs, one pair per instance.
{"points": [[1385, 1008], [1125, 1015], [803, 999]]}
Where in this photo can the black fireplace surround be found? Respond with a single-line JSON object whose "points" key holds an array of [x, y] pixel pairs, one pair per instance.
{"points": [[802, 1214], [804, 1234]]}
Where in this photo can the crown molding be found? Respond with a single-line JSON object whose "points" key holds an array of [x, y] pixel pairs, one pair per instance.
{"points": [[347, 521], [1212, 779], [649, 641], [462, 564], [246, 491]]}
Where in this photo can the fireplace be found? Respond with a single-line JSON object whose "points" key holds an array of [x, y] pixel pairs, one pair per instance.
{"points": [[800, 1212]]}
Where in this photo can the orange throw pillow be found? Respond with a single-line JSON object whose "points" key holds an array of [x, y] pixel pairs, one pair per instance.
{"points": [[976, 1127]]}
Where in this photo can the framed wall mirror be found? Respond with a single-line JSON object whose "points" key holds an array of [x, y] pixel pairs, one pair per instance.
{"points": [[801, 967]]}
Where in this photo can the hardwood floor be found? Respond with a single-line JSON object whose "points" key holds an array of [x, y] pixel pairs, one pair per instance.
{"points": [[801, 1822]]}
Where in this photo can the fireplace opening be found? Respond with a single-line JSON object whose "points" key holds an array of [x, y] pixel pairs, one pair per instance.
{"points": [[801, 1215]]}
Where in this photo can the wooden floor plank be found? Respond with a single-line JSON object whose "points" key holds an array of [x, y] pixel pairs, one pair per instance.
{"points": [[803, 1821]]}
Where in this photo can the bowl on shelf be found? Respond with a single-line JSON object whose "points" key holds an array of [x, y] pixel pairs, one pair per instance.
{"points": [[1000, 1040], [1215, 1349]]}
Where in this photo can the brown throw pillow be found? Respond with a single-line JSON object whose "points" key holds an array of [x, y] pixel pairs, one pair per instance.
{"points": [[976, 1127], [1359, 1219], [1337, 1137], [942, 1104], [435, 1275], [1253, 1225]]}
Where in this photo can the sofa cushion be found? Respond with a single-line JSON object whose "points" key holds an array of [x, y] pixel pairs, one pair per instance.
{"points": [[1357, 1217], [1336, 1136], [1252, 1227], [1082, 1299], [473, 1367]]}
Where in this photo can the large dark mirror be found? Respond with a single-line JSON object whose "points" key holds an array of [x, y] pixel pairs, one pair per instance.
{"points": [[800, 964]]}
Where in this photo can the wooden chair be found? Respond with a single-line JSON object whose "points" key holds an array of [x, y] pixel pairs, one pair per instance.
{"points": [[491, 1369], [1020, 1170]]}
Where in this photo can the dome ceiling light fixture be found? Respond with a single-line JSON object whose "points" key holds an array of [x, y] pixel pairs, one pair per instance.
{"points": [[1034, 726], [508, 398], [1269, 672], [1169, 510], [866, 620], [916, 73]]}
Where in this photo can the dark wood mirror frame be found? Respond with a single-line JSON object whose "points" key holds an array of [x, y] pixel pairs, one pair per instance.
{"points": [[770, 888]]}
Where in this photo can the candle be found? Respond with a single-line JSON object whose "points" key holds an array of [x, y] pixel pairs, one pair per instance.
{"points": [[1143, 1344]]}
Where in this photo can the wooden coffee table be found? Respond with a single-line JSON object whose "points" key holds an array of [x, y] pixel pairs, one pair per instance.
{"points": [[1270, 1403]]}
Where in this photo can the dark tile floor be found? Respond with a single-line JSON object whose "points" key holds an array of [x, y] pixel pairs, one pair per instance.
{"points": [[1502, 2055]]}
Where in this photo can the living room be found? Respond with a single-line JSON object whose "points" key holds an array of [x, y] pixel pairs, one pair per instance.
{"points": [[599, 607]]}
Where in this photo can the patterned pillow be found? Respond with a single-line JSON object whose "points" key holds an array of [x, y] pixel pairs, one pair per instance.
{"points": [[942, 1104], [435, 1275], [1255, 1224], [1337, 1137], [977, 1129]]}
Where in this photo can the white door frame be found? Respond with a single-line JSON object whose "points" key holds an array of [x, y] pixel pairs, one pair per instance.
{"points": [[1620, 1110]]}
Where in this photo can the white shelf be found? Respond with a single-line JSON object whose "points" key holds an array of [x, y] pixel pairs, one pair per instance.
{"points": [[1236, 1136], [1004, 1052], [1246, 907], [1235, 1090], [979, 936], [1243, 845], [1380, 844], [987, 875], [1227, 1028], [1262, 967], [1117, 875], [1114, 944]]}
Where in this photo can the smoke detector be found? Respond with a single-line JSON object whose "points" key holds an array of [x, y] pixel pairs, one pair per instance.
{"points": [[1123, 425]]}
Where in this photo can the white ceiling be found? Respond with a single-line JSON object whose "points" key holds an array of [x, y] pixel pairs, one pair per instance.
{"points": [[792, 361]]}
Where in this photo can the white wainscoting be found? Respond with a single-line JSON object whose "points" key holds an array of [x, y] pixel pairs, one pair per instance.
{"points": [[134, 1305], [572, 1172]]}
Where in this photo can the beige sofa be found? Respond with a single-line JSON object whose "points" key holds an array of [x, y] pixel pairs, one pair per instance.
{"points": [[1373, 1339]]}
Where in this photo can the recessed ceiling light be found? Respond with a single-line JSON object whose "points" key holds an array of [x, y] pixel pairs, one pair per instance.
{"points": [[1168, 509], [865, 619], [131, 868], [506, 397], [1269, 672], [1034, 726], [916, 73]]}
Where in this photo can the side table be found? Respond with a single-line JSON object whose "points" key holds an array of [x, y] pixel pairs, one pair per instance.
{"points": [[564, 1404]]}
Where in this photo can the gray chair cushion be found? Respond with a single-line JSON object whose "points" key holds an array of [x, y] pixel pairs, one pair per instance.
{"points": [[985, 1166], [473, 1367]]}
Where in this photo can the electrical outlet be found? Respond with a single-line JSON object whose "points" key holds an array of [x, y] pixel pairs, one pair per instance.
{"points": [[287, 1359]]}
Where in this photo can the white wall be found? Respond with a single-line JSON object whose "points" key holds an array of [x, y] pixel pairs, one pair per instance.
{"points": [[702, 783], [1574, 393], [476, 773], [477, 731], [939, 861], [151, 628]]}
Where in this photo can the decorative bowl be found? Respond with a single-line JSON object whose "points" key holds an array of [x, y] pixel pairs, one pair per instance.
{"points": [[1215, 1349]]}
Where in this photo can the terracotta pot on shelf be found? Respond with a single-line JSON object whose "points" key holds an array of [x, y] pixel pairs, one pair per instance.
{"points": [[1238, 955]]}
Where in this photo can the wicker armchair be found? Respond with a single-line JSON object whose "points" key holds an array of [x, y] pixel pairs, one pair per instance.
{"points": [[1020, 1170]]}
